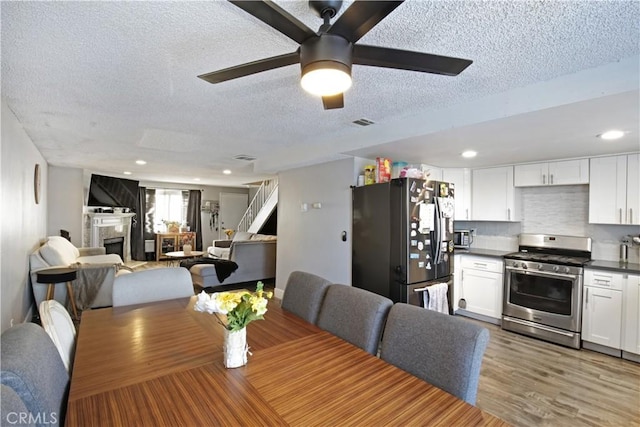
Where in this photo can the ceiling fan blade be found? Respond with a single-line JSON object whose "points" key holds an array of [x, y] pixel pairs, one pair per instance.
{"points": [[251, 68], [332, 102], [276, 17], [407, 60], [361, 17]]}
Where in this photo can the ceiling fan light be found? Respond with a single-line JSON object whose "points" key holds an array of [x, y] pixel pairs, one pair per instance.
{"points": [[326, 78]]}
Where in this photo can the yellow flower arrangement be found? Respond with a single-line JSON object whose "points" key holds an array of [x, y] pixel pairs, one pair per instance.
{"points": [[228, 232], [240, 308]]}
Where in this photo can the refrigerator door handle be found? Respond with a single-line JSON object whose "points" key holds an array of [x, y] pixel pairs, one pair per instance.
{"points": [[438, 231]]}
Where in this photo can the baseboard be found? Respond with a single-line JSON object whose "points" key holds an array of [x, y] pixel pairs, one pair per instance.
{"points": [[481, 317], [601, 349]]}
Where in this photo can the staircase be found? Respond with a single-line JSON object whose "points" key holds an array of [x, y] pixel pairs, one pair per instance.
{"points": [[261, 207]]}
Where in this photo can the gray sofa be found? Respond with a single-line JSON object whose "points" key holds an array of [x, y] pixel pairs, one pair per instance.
{"points": [[256, 259], [92, 263]]}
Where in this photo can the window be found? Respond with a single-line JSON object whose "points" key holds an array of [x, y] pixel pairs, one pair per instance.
{"points": [[170, 205]]}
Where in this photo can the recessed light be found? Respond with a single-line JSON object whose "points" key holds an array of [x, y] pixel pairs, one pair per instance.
{"points": [[196, 179], [141, 162], [226, 172], [127, 173], [611, 134], [469, 154]]}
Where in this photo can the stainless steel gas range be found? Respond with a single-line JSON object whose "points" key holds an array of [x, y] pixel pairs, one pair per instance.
{"points": [[543, 287]]}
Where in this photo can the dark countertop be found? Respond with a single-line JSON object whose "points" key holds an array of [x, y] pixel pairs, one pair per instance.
{"points": [[616, 266], [492, 253]]}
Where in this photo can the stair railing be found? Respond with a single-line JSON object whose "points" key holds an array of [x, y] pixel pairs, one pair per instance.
{"points": [[262, 195]]}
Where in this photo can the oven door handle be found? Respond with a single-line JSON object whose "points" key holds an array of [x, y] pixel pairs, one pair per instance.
{"points": [[542, 273]]}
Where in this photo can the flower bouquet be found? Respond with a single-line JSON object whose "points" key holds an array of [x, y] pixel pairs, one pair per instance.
{"points": [[239, 309], [229, 232]]}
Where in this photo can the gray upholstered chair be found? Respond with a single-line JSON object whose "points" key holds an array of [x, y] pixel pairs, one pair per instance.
{"points": [[57, 323], [355, 315], [30, 365], [443, 350], [156, 284], [13, 408], [304, 294]]}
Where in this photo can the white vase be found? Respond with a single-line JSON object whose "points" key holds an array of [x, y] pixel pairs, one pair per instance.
{"points": [[186, 249], [235, 348]]}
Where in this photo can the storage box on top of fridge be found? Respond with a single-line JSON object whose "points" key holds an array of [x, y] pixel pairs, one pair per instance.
{"points": [[383, 169]]}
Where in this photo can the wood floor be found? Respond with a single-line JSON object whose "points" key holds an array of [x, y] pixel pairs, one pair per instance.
{"points": [[528, 382]]}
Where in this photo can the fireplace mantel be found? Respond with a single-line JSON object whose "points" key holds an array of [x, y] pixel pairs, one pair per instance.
{"points": [[99, 226]]}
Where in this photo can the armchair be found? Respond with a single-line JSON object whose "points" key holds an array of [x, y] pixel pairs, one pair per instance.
{"points": [[96, 272]]}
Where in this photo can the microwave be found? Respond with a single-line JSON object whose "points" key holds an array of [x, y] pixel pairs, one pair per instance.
{"points": [[462, 239]]}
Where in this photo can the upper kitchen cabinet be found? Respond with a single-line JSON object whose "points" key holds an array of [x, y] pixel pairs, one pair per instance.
{"points": [[493, 196], [567, 172], [462, 180], [614, 190]]}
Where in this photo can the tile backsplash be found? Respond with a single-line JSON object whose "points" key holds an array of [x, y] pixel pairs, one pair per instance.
{"points": [[555, 210]]}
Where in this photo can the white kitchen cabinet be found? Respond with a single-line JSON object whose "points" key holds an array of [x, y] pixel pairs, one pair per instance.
{"points": [[566, 172], [457, 281], [614, 190], [462, 179], [481, 285], [631, 315], [493, 196], [602, 308]]}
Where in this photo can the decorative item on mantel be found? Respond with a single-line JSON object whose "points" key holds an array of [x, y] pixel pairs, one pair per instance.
{"points": [[239, 308]]}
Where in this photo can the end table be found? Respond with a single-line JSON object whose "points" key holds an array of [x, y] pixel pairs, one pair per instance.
{"points": [[56, 275]]}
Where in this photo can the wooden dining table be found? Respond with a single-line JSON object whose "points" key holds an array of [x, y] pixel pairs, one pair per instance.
{"points": [[161, 364]]}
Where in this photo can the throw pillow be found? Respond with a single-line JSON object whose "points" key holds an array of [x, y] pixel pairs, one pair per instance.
{"points": [[55, 252]]}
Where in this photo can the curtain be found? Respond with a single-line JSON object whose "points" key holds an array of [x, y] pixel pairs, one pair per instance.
{"points": [[194, 219], [149, 220], [137, 227]]}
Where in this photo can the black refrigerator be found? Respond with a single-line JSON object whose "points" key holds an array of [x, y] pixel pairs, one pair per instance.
{"points": [[403, 238]]}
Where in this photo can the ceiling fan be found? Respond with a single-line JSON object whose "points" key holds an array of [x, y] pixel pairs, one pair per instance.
{"points": [[326, 56]]}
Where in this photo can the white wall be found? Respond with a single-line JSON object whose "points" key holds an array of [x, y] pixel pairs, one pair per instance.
{"points": [[209, 233], [311, 241], [66, 197], [23, 222]]}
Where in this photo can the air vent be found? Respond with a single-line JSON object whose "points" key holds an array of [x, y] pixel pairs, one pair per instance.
{"points": [[363, 122], [245, 157]]}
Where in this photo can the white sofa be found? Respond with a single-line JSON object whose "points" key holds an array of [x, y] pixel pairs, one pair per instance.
{"points": [[59, 252], [255, 255]]}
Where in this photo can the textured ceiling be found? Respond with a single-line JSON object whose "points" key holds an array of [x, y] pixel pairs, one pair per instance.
{"points": [[97, 85]]}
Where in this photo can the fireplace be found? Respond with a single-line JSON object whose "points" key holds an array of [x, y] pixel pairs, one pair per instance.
{"points": [[101, 230], [114, 245]]}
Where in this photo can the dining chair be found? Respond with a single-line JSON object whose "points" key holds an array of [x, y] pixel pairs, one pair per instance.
{"points": [[57, 323], [11, 408], [31, 365], [445, 351], [355, 315], [156, 284], [304, 294]]}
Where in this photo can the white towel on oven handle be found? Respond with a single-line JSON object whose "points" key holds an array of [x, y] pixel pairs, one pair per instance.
{"points": [[435, 298]]}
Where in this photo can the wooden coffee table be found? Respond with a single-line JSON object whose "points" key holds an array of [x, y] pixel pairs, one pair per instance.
{"points": [[176, 257]]}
